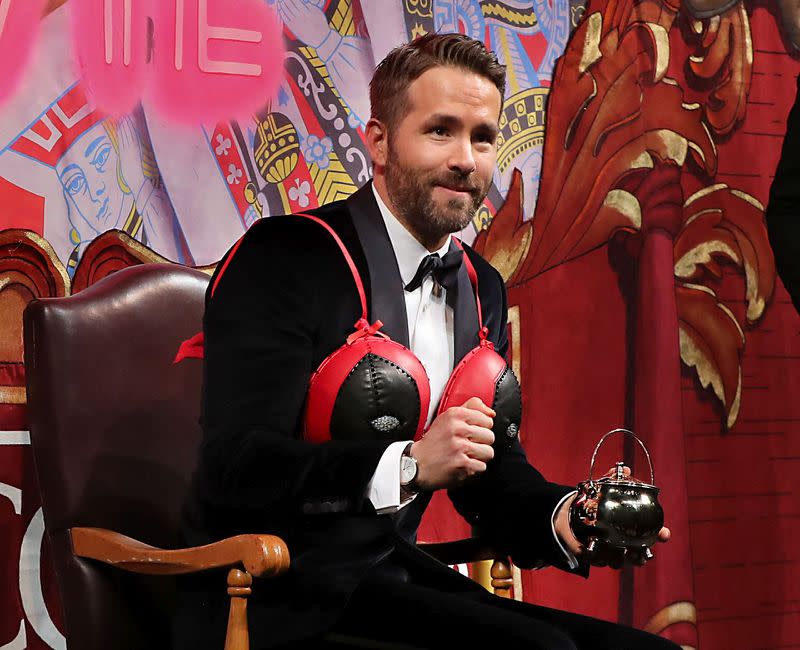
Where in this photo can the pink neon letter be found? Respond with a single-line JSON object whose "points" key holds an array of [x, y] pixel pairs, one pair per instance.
{"points": [[217, 72], [203, 68], [110, 39], [19, 27], [206, 32]]}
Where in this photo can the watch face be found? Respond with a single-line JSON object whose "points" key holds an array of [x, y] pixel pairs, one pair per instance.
{"points": [[408, 470]]}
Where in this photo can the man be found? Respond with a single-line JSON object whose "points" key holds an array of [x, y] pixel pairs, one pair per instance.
{"points": [[286, 301]]}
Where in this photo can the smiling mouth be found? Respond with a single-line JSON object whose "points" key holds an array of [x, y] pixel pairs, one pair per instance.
{"points": [[462, 190]]}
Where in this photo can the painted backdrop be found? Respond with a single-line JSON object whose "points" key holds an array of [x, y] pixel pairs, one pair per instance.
{"points": [[628, 225]]}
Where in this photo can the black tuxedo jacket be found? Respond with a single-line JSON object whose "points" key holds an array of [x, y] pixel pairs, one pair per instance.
{"points": [[287, 300], [783, 211]]}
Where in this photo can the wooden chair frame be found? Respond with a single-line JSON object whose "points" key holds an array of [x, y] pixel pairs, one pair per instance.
{"points": [[249, 556]]}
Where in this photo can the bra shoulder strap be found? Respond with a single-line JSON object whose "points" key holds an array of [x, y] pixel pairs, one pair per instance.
{"points": [[473, 279]]}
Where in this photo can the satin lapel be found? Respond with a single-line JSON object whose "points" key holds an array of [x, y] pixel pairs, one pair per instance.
{"points": [[465, 314], [387, 303]]}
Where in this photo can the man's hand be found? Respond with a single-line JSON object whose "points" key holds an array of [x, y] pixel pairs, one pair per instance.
{"points": [[615, 558], [457, 445], [306, 20]]}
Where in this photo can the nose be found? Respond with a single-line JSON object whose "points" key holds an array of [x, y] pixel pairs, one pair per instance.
{"points": [[462, 158], [98, 190]]}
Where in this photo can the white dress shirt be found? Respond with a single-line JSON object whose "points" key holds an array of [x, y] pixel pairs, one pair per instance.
{"points": [[384, 488], [430, 331]]}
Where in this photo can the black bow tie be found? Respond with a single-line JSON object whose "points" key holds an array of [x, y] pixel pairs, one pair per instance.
{"points": [[443, 269]]}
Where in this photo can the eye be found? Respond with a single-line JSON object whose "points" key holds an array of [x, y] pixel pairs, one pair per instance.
{"points": [[439, 131], [101, 157], [75, 184]]}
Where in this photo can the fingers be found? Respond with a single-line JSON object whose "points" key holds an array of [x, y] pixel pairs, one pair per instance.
{"points": [[481, 417], [469, 423], [476, 404], [484, 453], [626, 472], [289, 7], [477, 419], [474, 467], [664, 534], [296, 7], [479, 435], [286, 11], [457, 446]]}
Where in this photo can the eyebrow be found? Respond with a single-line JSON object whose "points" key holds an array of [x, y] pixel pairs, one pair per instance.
{"points": [[68, 168], [491, 128], [91, 147], [450, 120]]}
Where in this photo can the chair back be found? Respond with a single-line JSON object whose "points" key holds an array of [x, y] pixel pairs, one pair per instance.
{"points": [[115, 432]]}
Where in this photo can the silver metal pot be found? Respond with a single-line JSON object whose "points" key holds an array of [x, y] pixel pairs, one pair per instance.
{"points": [[617, 511]]}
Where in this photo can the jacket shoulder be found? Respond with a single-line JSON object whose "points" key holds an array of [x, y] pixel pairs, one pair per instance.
{"points": [[288, 228], [274, 247], [486, 272]]}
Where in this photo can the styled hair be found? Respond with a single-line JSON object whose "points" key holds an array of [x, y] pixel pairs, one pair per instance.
{"points": [[388, 90]]}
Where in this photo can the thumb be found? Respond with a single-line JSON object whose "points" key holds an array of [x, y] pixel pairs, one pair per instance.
{"points": [[476, 404]]}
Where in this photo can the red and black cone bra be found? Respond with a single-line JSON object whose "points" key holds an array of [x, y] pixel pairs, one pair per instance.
{"points": [[375, 388]]}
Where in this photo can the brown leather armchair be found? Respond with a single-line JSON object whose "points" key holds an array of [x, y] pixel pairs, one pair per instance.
{"points": [[115, 430]]}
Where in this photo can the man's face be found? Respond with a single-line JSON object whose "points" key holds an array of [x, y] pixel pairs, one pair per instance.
{"points": [[442, 152], [88, 174]]}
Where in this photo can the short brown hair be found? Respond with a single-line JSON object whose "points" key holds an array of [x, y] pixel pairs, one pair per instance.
{"points": [[388, 90]]}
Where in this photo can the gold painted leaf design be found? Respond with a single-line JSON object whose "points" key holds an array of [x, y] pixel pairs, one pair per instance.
{"points": [[724, 58], [605, 123], [712, 343], [700, 245], [724, 223], [620, 135]]}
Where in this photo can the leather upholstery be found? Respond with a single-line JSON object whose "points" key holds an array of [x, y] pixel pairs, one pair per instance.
{"points": [[484, 373], [371, 388], [378, 399], [115, 428]]}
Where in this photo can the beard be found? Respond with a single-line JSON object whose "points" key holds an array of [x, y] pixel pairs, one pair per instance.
{"points": [[411, 194]]}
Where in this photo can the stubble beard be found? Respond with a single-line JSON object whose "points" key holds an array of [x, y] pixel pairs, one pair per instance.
{"points": [[411, 194]]}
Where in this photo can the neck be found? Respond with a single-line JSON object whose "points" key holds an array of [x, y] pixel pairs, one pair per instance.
{"points": [[379, 181]]}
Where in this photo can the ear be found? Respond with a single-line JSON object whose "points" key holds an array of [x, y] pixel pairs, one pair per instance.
{"points": [[377, 139]]}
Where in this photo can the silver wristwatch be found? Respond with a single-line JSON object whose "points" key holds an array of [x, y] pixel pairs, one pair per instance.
{"points": [[408, 469]]}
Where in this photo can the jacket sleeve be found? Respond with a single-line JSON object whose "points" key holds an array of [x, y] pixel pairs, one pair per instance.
{"points": [[783, 210], [260, 327], [512, 504]]}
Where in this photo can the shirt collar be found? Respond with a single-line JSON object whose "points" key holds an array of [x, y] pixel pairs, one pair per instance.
{"points": [[408, 251]]}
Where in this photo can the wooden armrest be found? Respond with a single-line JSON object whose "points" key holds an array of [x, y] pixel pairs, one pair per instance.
{"points": [[261, 555], [499, 578], [473, 549]]}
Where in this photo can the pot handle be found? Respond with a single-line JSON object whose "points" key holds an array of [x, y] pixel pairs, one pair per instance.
{"points": [[635, 437]]}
